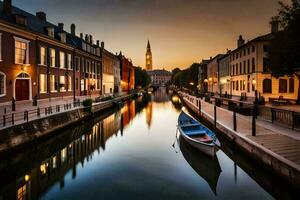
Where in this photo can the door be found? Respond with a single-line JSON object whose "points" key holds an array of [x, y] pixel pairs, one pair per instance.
{"points": [[22, 89]]}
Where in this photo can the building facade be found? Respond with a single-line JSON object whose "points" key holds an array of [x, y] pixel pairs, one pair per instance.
{"points": [[251, 75], [202, 76], [149, 63], [127, 73], [160, 77], [109, 63], [213, 74], [43, 61], [224, 74]]}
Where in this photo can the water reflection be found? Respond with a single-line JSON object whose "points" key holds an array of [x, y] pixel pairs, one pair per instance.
{"points": [[127, 154], [207, 167]]}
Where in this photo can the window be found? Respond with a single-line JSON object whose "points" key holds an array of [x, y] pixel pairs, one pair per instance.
{"points": [[43, 56], [52, 57], [282, 86], [62, 86], [70, 83], [248, 50], [82, 85], [266, 65], [253, 49], [43, 83], [241, 68], [248, 66], [253, 84], [21, 51], [291, 85], [77, 63], [236, 69], [98, 84], [22, 193], [244, 67], [241, 85], [2, 84], [237, 85], [233, 85], [62, 60], [53, 83], [267, 86], [69, 61], [50, 31], [253, 65]]}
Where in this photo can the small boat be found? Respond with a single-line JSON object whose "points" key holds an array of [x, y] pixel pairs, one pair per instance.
{"points": [[197, 135]]}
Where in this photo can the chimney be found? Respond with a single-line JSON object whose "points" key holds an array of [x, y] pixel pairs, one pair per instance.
{"points": [[102, 45], [73, 29], [81, 35], [91, 39], [240, 41], [274, 26], [7, 7], [41, 16], [98, 43], [61, 26], [87, 38]]}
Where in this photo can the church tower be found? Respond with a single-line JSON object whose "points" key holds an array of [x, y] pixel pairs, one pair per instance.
{"points": [[149, 57]]}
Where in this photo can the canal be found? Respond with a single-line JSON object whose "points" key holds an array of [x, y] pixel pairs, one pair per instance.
{"points": [[127, 153]]}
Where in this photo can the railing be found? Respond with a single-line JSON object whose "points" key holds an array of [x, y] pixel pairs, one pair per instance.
{"points": [[287, 118], [9, 119]]}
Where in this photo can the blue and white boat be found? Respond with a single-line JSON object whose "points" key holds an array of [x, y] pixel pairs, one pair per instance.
{"points": [[197, 135]]}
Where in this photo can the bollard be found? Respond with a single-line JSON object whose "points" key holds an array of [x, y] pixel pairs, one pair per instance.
{"points": [[46, 111], [38, 112], [24, 115], [253, 122], [200, 106], [234, 120], [272, 115], [13, 119], [27, 119], [4, 120]]}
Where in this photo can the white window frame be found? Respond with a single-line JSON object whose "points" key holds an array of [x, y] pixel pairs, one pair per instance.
{"points": [[45, 84], [62, 89], [69, 61], [17, 39], [54, 90], [70, 83], [62, 64], [52, 64], [43, 47], [4, 94]]}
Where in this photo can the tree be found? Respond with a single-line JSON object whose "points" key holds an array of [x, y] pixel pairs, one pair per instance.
{"points": [[142, 78], [285, 47]]}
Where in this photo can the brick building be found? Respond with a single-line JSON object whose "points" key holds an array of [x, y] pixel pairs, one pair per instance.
{"points": [[127, 73], [41, 60]]}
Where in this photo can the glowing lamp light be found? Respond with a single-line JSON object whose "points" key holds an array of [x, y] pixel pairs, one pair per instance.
{"points": [[210, 79], [223, 81], [27, 177], [183, 108], [205, 80], [191, 83], [254, 81]]}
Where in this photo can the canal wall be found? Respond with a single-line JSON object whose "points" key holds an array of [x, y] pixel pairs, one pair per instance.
{"points": [[290, 171], [14, 137]]}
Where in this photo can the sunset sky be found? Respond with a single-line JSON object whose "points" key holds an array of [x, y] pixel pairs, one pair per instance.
{"points": [[180, 31]]}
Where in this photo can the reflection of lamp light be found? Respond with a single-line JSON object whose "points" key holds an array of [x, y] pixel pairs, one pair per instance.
{"points": [[254, 81], [205, 80], [210, 79], [223, 81], [191, 83], [34, 83]]}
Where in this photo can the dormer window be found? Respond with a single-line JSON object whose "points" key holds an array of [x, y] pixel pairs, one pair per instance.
{"points": [[63, 37], [50, 32], [21, 20]]}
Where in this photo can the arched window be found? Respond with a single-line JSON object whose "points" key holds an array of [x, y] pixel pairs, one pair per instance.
{"points": [[291, 85], [282, 86], [267, 86], [23, 75], [2, 84]]}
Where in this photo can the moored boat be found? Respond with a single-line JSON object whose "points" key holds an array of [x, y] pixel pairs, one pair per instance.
{"points": [[197, 135]]}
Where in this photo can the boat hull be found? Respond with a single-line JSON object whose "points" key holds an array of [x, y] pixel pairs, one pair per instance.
{"points": [[209, 150]]}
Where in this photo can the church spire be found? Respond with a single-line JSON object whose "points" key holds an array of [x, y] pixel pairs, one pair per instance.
{"points": [[149, 57]]}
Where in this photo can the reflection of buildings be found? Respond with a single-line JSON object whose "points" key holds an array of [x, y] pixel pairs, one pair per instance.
{"points": [[160, 77], [128, 113], [149, 110], [161, 95], [28, 178]]}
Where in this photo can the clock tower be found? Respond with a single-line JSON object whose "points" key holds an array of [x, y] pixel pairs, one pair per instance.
{"points": [[148, 57]]}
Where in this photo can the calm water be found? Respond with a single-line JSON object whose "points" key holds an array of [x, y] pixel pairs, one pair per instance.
{"points": [[128, 154]]}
